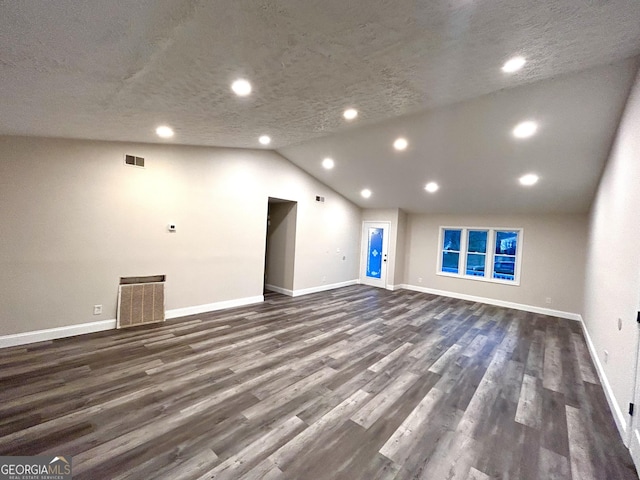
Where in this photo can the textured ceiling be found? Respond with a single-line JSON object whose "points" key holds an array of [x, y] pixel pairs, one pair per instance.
{"points": [[115, 70], [468, 149]]}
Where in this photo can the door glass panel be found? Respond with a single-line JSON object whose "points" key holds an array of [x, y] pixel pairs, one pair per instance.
{"points": [[374, 252]]}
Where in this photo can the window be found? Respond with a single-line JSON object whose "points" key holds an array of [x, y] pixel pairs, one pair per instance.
{"points": [[488, 254], [476, 252], [504, 262], [451, 251]]}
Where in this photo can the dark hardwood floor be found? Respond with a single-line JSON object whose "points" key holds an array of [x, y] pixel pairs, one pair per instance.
{"points": [[355, 383]]}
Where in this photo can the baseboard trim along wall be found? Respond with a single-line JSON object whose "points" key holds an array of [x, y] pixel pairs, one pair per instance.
{"points": [[322, 288], [283, 291], [498, 303], [25, 338], [212, 307], [307, 291], [618, 415]]}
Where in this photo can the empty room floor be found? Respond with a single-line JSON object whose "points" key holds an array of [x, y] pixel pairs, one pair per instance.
{"points": [[355, 383]]}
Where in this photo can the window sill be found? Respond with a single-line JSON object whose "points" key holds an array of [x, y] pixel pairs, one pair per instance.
{"points": [[515, 282]]}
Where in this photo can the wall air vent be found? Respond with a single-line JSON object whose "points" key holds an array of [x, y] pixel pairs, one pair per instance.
{"points": [[140, 301], [134, 161]]}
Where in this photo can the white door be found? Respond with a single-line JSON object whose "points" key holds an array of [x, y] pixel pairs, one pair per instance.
{"points": [[373, 260]]}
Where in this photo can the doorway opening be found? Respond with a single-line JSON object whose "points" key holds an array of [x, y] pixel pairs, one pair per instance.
{"points": [[279, 261]]}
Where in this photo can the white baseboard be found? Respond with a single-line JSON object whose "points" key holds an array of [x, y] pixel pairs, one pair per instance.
{"points": [[618, 415], [73, 330], [212, 307], [283, 291], [498, 303], [25, 338], [307, 291], [322, 288]]}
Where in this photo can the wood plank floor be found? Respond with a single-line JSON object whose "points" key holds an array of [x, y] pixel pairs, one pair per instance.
{"points": [[355, 383]]}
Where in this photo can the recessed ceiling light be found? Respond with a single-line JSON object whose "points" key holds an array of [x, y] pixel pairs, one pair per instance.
{"points": [[529, 179], [241, 87], [164, 131], [525, 129], [265, 139], [350, 113], [514, 64], [431, 187], [400, 144], [328, 163], [366, 193]]}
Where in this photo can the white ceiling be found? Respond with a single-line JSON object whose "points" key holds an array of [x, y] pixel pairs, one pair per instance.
{"points": [[429, 70], [468, 149]]}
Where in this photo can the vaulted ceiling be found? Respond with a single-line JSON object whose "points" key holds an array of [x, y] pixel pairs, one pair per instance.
{"points": [[427, 71]]}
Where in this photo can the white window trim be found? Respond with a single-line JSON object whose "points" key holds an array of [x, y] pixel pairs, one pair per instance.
{"points": [[489, 255]]}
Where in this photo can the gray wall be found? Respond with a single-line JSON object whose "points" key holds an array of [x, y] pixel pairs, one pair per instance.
{"points": [[75, 219], [612, 287], [553, 256]]}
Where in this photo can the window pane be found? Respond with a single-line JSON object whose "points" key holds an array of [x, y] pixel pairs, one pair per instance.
{"points": [[504, 267], [475, 264], [477, 241], [450, 262], [452, 240], [506, 243]]}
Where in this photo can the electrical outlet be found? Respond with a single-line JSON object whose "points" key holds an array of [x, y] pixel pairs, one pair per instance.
{"points": [[419, 279], [547, 300], [324, 279], [97, 309], [606, 356]]}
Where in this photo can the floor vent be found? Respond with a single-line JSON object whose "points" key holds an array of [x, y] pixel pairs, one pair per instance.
{"points": [[140, 301], [134, 161]]}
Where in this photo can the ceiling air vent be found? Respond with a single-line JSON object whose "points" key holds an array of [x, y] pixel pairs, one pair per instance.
{"points": [[134, 161]]}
